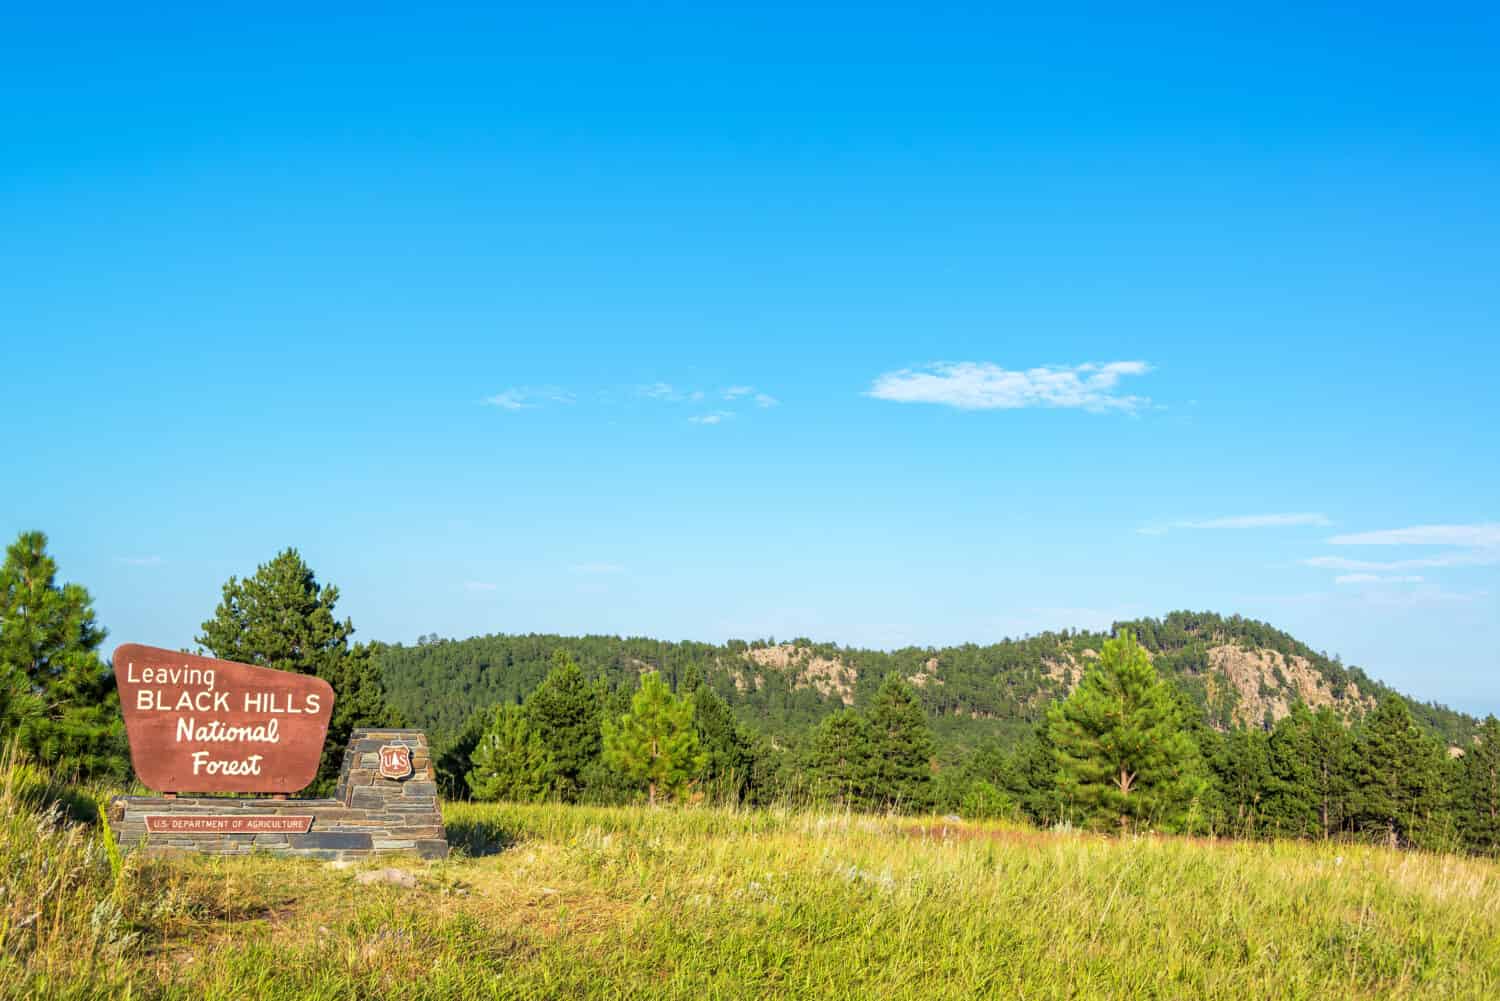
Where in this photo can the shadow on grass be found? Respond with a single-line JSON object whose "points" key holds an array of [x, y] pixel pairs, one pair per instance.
{"points": [[34, 788], [478, 838]]}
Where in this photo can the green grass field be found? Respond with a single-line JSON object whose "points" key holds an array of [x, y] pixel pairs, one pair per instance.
{"points": [[552, 901]]}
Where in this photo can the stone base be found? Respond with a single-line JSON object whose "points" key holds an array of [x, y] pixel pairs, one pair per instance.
{"points": [[368, 816]]}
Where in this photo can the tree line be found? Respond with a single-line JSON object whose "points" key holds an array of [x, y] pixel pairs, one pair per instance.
{"points": [[982, 693], [1129, 749], [579, 741], [1126, 751]]}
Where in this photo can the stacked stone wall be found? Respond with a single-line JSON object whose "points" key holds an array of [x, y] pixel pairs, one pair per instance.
{"points": [[368, 815]]}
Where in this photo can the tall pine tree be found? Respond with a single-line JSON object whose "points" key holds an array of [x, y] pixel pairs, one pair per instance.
{"points": [[842, 767], [1290, 808], [655, 744], [1241, 766], [280, 617], [1030, 776], [56, 696], [901, 749], [566, 712], [1124, 755], [510, 761], [455, 756], [1399, 772], [1331, 755], [728, 751], [1478, 794]]}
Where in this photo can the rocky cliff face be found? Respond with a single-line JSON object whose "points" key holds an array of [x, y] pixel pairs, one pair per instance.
{"points": [[1243, 685], [829, 676], [1267, 683]]}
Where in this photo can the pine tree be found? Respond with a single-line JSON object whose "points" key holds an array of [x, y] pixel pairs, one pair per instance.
{"points": [[1331, 754], [602, 782], [692, 679], [454, 759], [1291, 803], [56, 696], [1123, 753], [654, 744], [280, 618], [1031, 776], [510, 761], [566, 713], [1478, 790], [359, 700], [842, 767], [20, 702], [901, 749], [1241, 765], [727, 749], [1399, 774]]}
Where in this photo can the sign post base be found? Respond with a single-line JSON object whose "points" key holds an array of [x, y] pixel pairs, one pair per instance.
{"points": [[377, 809]]}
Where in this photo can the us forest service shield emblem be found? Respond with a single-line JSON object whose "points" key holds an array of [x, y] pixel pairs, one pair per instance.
{"points": [[395, 762]]}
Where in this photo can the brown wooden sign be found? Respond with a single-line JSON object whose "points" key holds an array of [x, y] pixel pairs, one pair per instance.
{"points": [[197, 724], [244, 823]]}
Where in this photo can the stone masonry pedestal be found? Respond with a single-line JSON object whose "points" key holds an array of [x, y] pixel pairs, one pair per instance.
{"points": [[368, 815]]}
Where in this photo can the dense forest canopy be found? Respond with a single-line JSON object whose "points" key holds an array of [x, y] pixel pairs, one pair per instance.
{"points": [[973, 694], [1212, 725]]}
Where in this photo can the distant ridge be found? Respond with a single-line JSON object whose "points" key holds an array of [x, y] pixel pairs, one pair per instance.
{"points": [[1239, 672]]}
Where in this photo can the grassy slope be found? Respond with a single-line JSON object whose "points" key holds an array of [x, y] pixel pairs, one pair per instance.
{"points": [[612, 903]]}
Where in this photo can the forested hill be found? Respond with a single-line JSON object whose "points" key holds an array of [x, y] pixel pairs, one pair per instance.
{"points": [[1238, 671]]}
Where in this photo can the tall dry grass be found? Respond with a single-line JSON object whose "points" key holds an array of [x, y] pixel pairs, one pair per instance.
{"points": [[557, 901]]}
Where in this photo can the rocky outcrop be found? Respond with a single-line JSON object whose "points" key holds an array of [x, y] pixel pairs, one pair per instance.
{"points": [[830, 677], [928, 675], [1248, 685], [1267, 683]]}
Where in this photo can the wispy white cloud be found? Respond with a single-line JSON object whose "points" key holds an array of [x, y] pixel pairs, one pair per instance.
{"points": [[659, 391], [1413, 598], [668, 393], [1476, 545], [526, 397], [1476, 558], [140, 561], [973, 385], [530, 397], [749, 392], [1282, 520], [1484, 535], [1371, 578], [717, 417], [511, 399], [478, 585]]}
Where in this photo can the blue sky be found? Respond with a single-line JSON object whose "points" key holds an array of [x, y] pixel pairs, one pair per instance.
{"points": [[877, 325]]}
